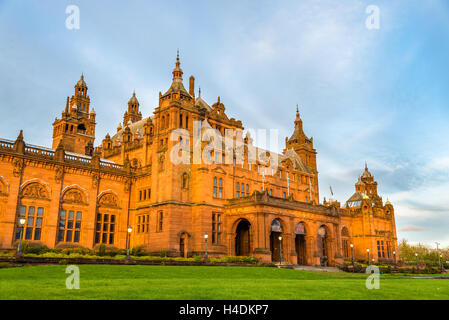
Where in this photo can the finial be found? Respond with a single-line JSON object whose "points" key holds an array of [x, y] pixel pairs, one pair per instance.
{"points": [[199, 92], [297, 108], [177, 55], [218, 99], [366, 166]]}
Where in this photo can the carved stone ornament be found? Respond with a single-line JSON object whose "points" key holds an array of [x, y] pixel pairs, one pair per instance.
{"points": [[59, 174], [95, 180], [19, 165], [109, 200], [73, 196], [35, 190]]}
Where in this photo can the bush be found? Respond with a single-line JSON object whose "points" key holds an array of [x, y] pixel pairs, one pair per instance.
{"points": [[163, 254], [139, 251], [102, 250], [76, 250]]}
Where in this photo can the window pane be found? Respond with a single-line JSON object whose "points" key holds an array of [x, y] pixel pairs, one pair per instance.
{"points": [[38, 222], [61, 235], [112, 227], [37, 234], [29, 233], [112, 218], [68, 237], [62, 214], [22, 210], [40, 212], [69, 224], [77, 236], [97, 237], [111, 239], [105, 227], [31, 211], [104, 238], [78, 215], [98, 228], [77, 224], [106, 218], [30, 221], [70, 214]]}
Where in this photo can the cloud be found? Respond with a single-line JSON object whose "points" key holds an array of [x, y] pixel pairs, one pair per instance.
{"points": [[411, 229]]}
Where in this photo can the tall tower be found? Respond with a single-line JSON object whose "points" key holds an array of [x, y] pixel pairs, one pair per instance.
{"points": [[133, 114], [76, 128], [368, 186], [301, 144]]}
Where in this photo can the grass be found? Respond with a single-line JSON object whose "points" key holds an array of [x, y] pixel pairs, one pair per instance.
{"points": [[204, 283]]}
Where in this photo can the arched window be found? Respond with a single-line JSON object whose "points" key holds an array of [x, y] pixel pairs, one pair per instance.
{"points": [[345, 243], [32, 228]]}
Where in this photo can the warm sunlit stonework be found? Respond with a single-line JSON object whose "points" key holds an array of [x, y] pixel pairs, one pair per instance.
{"points": [[75, 194]]}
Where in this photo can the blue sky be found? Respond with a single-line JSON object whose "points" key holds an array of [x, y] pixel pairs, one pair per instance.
{"points": [[380, 96]]}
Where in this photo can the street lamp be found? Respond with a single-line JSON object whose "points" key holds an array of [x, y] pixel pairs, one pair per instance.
{"points": [[439, 256], [206, 259], [394, 257], [352, 255], [280, 247], [439, 259], [417, 266], [367, 251], [19, 249], [130, 229]]}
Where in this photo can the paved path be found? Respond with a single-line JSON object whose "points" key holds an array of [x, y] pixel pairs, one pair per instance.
{"points": [[310, 268]]}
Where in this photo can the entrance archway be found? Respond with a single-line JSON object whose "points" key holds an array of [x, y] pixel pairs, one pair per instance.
{"points": [[323, 249], [242, 239], [300, 243], [184, 244], [275, 242]]}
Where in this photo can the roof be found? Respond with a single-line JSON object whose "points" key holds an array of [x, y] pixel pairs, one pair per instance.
{"points": [[134, 127]]}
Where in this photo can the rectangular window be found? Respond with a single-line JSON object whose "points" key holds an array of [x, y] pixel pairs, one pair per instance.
{"points": [[105, 228], [160, 221], [69, 226], [216, 228], [31, 229], [143, 222]]}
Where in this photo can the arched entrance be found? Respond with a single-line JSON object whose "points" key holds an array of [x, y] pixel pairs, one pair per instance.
{"points": [[184, 245], [276, 241], [242, 239], [323, 249], [300, 243]]}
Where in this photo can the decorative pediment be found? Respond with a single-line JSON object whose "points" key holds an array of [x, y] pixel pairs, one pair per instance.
{"points": [[74, 194], [219, 170], [36, 190], [109, 199]]}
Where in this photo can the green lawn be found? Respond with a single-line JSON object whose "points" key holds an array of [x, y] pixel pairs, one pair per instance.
{"points": [[197, 283]]}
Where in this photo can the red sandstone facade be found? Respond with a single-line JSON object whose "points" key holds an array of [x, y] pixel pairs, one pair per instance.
{"points": [[76, 195]]}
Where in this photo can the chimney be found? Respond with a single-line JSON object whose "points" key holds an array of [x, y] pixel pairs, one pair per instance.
{"points": [[192, 86]]}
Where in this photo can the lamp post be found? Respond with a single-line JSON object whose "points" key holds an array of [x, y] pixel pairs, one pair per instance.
{"points": [[417, 266], [394, 257], [206, 259], [367, 251], [130, 229], [280, 248], [439, 259], [19, 249], [352, 255]]}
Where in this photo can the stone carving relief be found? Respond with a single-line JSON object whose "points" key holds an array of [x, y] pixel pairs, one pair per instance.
{"points": [[109, 200], [19, 165], [35, 190], [73, 196]]}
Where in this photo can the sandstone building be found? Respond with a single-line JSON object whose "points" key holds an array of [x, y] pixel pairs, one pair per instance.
{"points": [[75, 194]]}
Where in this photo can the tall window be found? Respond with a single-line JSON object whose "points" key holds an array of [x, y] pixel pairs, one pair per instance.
{"points": [[218, 188], [105, 228], [33, 223], [160, 221], [388, 249], [380, 249], [143, 223], [69, 226], [247, 190], [216, 228], [237, 187]]}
